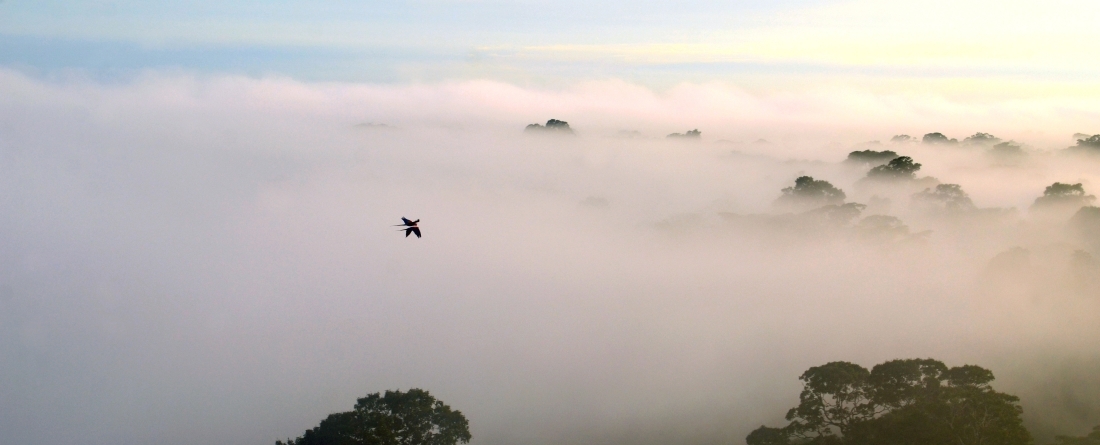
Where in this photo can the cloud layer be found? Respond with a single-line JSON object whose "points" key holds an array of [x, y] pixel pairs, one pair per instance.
{"points": [[212, 259]]}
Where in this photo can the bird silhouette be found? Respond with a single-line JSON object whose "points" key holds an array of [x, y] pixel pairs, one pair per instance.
{"points": [[410, 227]]}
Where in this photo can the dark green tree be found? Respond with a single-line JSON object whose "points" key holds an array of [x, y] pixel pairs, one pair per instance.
{"points": [[1059, 195], [1090, 142], [395, 418], [807, 190], [900, 168], [871, 157], [900, 402], [835, 397], [937, 138]]}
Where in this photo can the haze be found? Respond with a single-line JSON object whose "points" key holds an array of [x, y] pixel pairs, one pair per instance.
{"points": [[197, 210], [212, 260]]}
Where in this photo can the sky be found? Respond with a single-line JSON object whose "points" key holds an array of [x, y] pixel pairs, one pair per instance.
{"points": [[198, 199], [778, 44]]}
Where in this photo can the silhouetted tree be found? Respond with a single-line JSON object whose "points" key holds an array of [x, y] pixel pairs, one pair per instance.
{"points": [[552, 126], [691, 134], [937, 138], [950, 197], [807, 190], [396, 418], [871, 157], [1086, 143], [902, 139], [900, 402], [1064, 195], [981, 139], [899, 168]]}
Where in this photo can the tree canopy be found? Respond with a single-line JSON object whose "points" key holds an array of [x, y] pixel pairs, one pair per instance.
{"points": [[552, 126], [1092, 142], [1059, 194], [871, 156], [1007, 149], [937, 138], [395, 418], [807, 190], [690, 134], [901, 167], [981, 139], [1092, 438], [900, 402], [950, 197]]}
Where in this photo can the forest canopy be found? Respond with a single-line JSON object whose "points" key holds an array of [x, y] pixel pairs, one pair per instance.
{"points": [[914, 401]]}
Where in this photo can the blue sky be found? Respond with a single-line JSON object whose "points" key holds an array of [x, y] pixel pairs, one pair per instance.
{"points": [[340, 40], [528, 42]]}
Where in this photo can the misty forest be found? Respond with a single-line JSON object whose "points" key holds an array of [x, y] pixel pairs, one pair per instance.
{"points": [[215, 260]]}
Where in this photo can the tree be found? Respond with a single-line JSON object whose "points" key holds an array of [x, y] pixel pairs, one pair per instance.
{"points": [[690, 134], [900, 168], [950, 197], [1007, 149], [1089, 142], [838, 214], [552, 126], [902, 139], [871, 157], [1064, 195], [396, 418], [900, 402], [835, 397], [810, 191], [937, 138], [1092, 438], [981, 139]]}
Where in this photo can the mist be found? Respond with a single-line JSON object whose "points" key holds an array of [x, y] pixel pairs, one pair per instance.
{"points": [[212, 259]]}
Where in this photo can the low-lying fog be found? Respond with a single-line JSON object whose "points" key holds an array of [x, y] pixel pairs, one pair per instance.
{"points": [[213, 260]]}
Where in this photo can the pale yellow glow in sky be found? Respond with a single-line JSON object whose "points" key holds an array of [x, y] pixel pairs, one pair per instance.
{"points": [[1057, 35]]}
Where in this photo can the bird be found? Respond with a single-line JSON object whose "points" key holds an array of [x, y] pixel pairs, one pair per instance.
{"points": [[410, 227]]}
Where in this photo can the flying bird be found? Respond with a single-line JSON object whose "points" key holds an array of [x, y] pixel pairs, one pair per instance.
{"points": [[410, 227]]}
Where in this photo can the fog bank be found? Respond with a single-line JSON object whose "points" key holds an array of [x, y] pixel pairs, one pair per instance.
{"points": [[212, 259]]}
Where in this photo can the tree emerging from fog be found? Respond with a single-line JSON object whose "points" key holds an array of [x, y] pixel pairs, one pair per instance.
{"points": [[552, 126], [871, 157], [949, 197], [809, 191], [1064, 195], [937, 138], [690, 134], [395, 418], [1092, 438], [900, 402], [900, 168], [1089, 144], [981, 139]]}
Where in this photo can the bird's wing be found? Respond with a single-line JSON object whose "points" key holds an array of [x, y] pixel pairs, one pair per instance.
{"points": [[407, 222], [415, 230], [407, 232]]}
